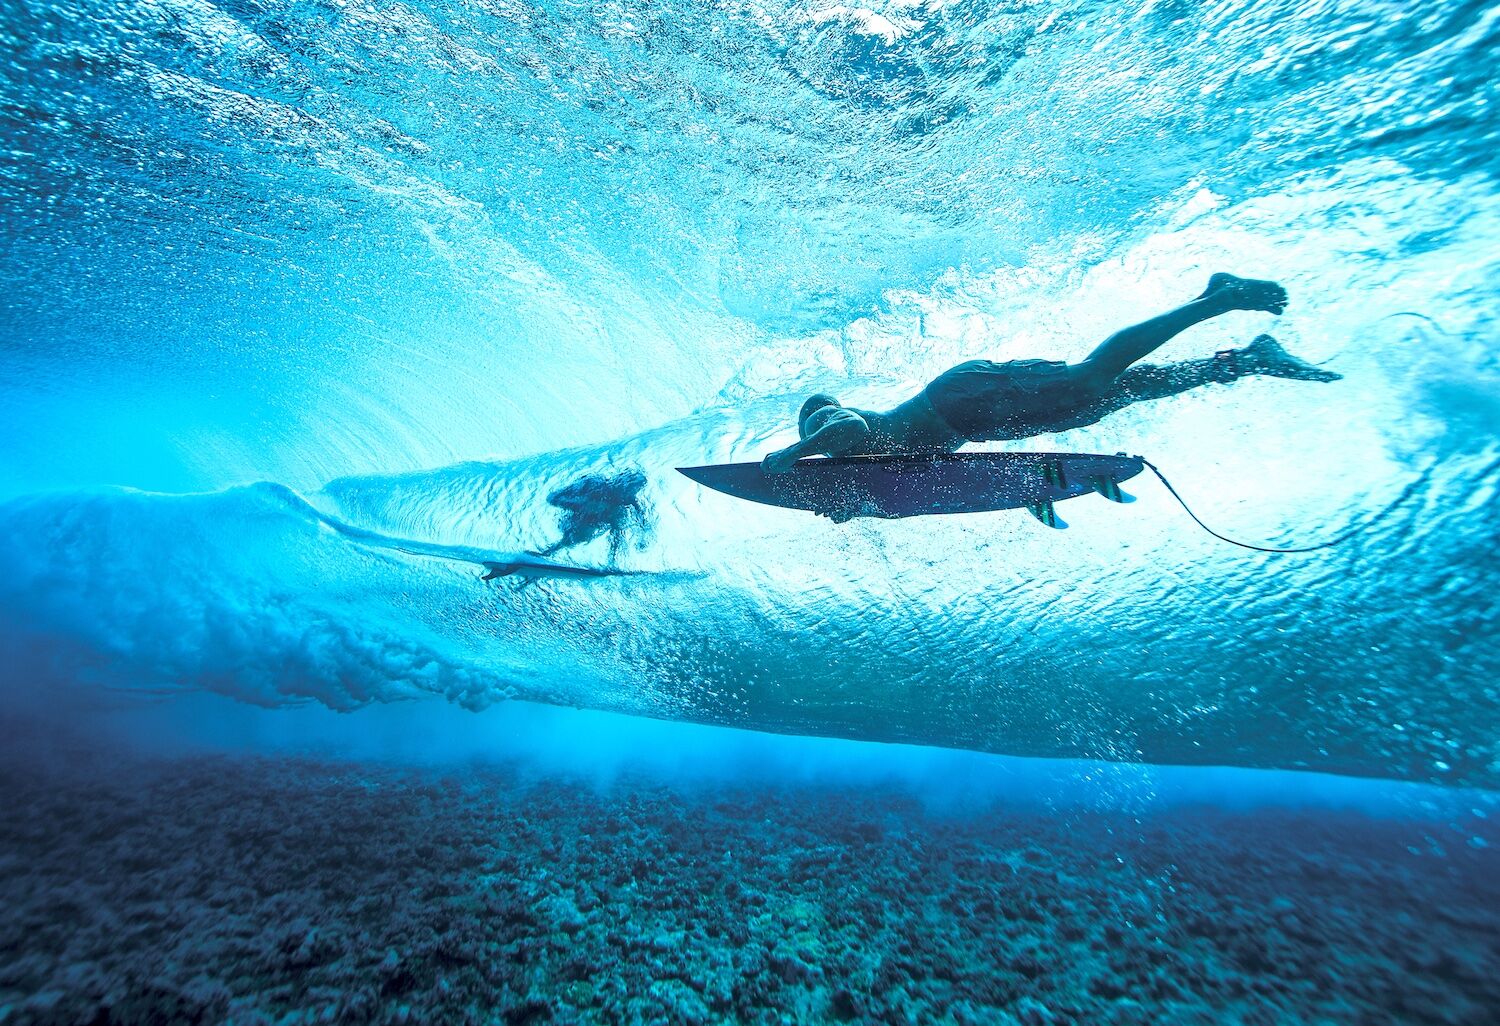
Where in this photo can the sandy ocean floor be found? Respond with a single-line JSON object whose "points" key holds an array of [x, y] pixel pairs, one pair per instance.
{"points": [[250, 890]]}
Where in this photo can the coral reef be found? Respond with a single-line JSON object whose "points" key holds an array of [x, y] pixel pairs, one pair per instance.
{"points": [[248, 890]]}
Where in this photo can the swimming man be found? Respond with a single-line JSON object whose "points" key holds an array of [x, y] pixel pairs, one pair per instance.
{"points": [[597, 504], [982, 401]]}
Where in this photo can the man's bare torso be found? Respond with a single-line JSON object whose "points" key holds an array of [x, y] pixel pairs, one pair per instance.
{"points": [[912, 427]]}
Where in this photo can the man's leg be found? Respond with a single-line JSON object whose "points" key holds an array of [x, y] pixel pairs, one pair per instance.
{"points": [[1263, 356], [1225, 292]]}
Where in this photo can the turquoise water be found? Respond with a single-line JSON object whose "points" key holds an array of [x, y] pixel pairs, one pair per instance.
{"points": [[310, 306], [336, 247]]}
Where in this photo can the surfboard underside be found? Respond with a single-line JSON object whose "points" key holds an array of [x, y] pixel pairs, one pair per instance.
{"points": [[909, 486]]}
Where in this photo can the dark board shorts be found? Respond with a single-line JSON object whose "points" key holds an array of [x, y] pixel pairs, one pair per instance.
{"points": [[984, 400]]}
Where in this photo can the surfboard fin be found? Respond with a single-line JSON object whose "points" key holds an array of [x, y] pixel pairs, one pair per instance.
{"points": [[1046, 512], [1110, 489]]}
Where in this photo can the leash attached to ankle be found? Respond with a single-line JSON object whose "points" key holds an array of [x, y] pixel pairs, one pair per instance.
{"points": [[1226, 365]]}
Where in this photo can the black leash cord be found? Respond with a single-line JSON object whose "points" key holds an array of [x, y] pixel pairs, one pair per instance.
{"points": [[1411, 490]]}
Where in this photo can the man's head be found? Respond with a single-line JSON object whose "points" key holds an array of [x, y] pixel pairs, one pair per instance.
{"points": [[815, 413]]}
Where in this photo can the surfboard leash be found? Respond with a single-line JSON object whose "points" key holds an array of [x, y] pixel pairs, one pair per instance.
{"points": [[1400, 500]]}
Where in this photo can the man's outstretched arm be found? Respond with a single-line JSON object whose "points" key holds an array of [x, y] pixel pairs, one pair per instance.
{"points": [[843, 434]]}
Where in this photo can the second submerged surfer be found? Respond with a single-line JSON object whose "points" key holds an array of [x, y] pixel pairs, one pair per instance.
{"points": [[982, 400]]}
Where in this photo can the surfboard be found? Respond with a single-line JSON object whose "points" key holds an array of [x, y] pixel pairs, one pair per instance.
{"points": [[893, 487], [531, 568]]}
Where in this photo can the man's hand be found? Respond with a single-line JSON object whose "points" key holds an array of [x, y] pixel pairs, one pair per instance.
{"points": [[841, 513], [780, 461]]}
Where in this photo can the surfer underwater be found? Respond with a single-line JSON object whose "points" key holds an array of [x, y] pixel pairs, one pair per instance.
{"points": [[983, 401], [602, 504], [592, 506]]}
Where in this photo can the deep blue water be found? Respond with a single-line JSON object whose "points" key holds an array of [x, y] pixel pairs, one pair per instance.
{"points": [[309, 307]]}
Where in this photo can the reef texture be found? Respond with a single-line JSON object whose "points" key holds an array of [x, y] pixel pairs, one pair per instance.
{"points": [[247, 890]]}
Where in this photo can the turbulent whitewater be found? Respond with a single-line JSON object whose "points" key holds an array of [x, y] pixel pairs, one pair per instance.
{"points": [[311, 306]]}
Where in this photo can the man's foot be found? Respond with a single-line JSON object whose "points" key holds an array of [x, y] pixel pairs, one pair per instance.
{"points": [[1265, 356], [1246, 293]]}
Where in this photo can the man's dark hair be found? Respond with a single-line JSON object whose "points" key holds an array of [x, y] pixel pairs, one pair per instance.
{"points": [[813, 405]]}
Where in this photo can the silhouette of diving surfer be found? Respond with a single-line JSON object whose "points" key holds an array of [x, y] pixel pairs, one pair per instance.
{"points": [[593, 505], [982, 401]]}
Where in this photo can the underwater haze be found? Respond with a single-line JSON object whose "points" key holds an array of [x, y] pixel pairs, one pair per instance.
{"points": [[314, 308]]}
